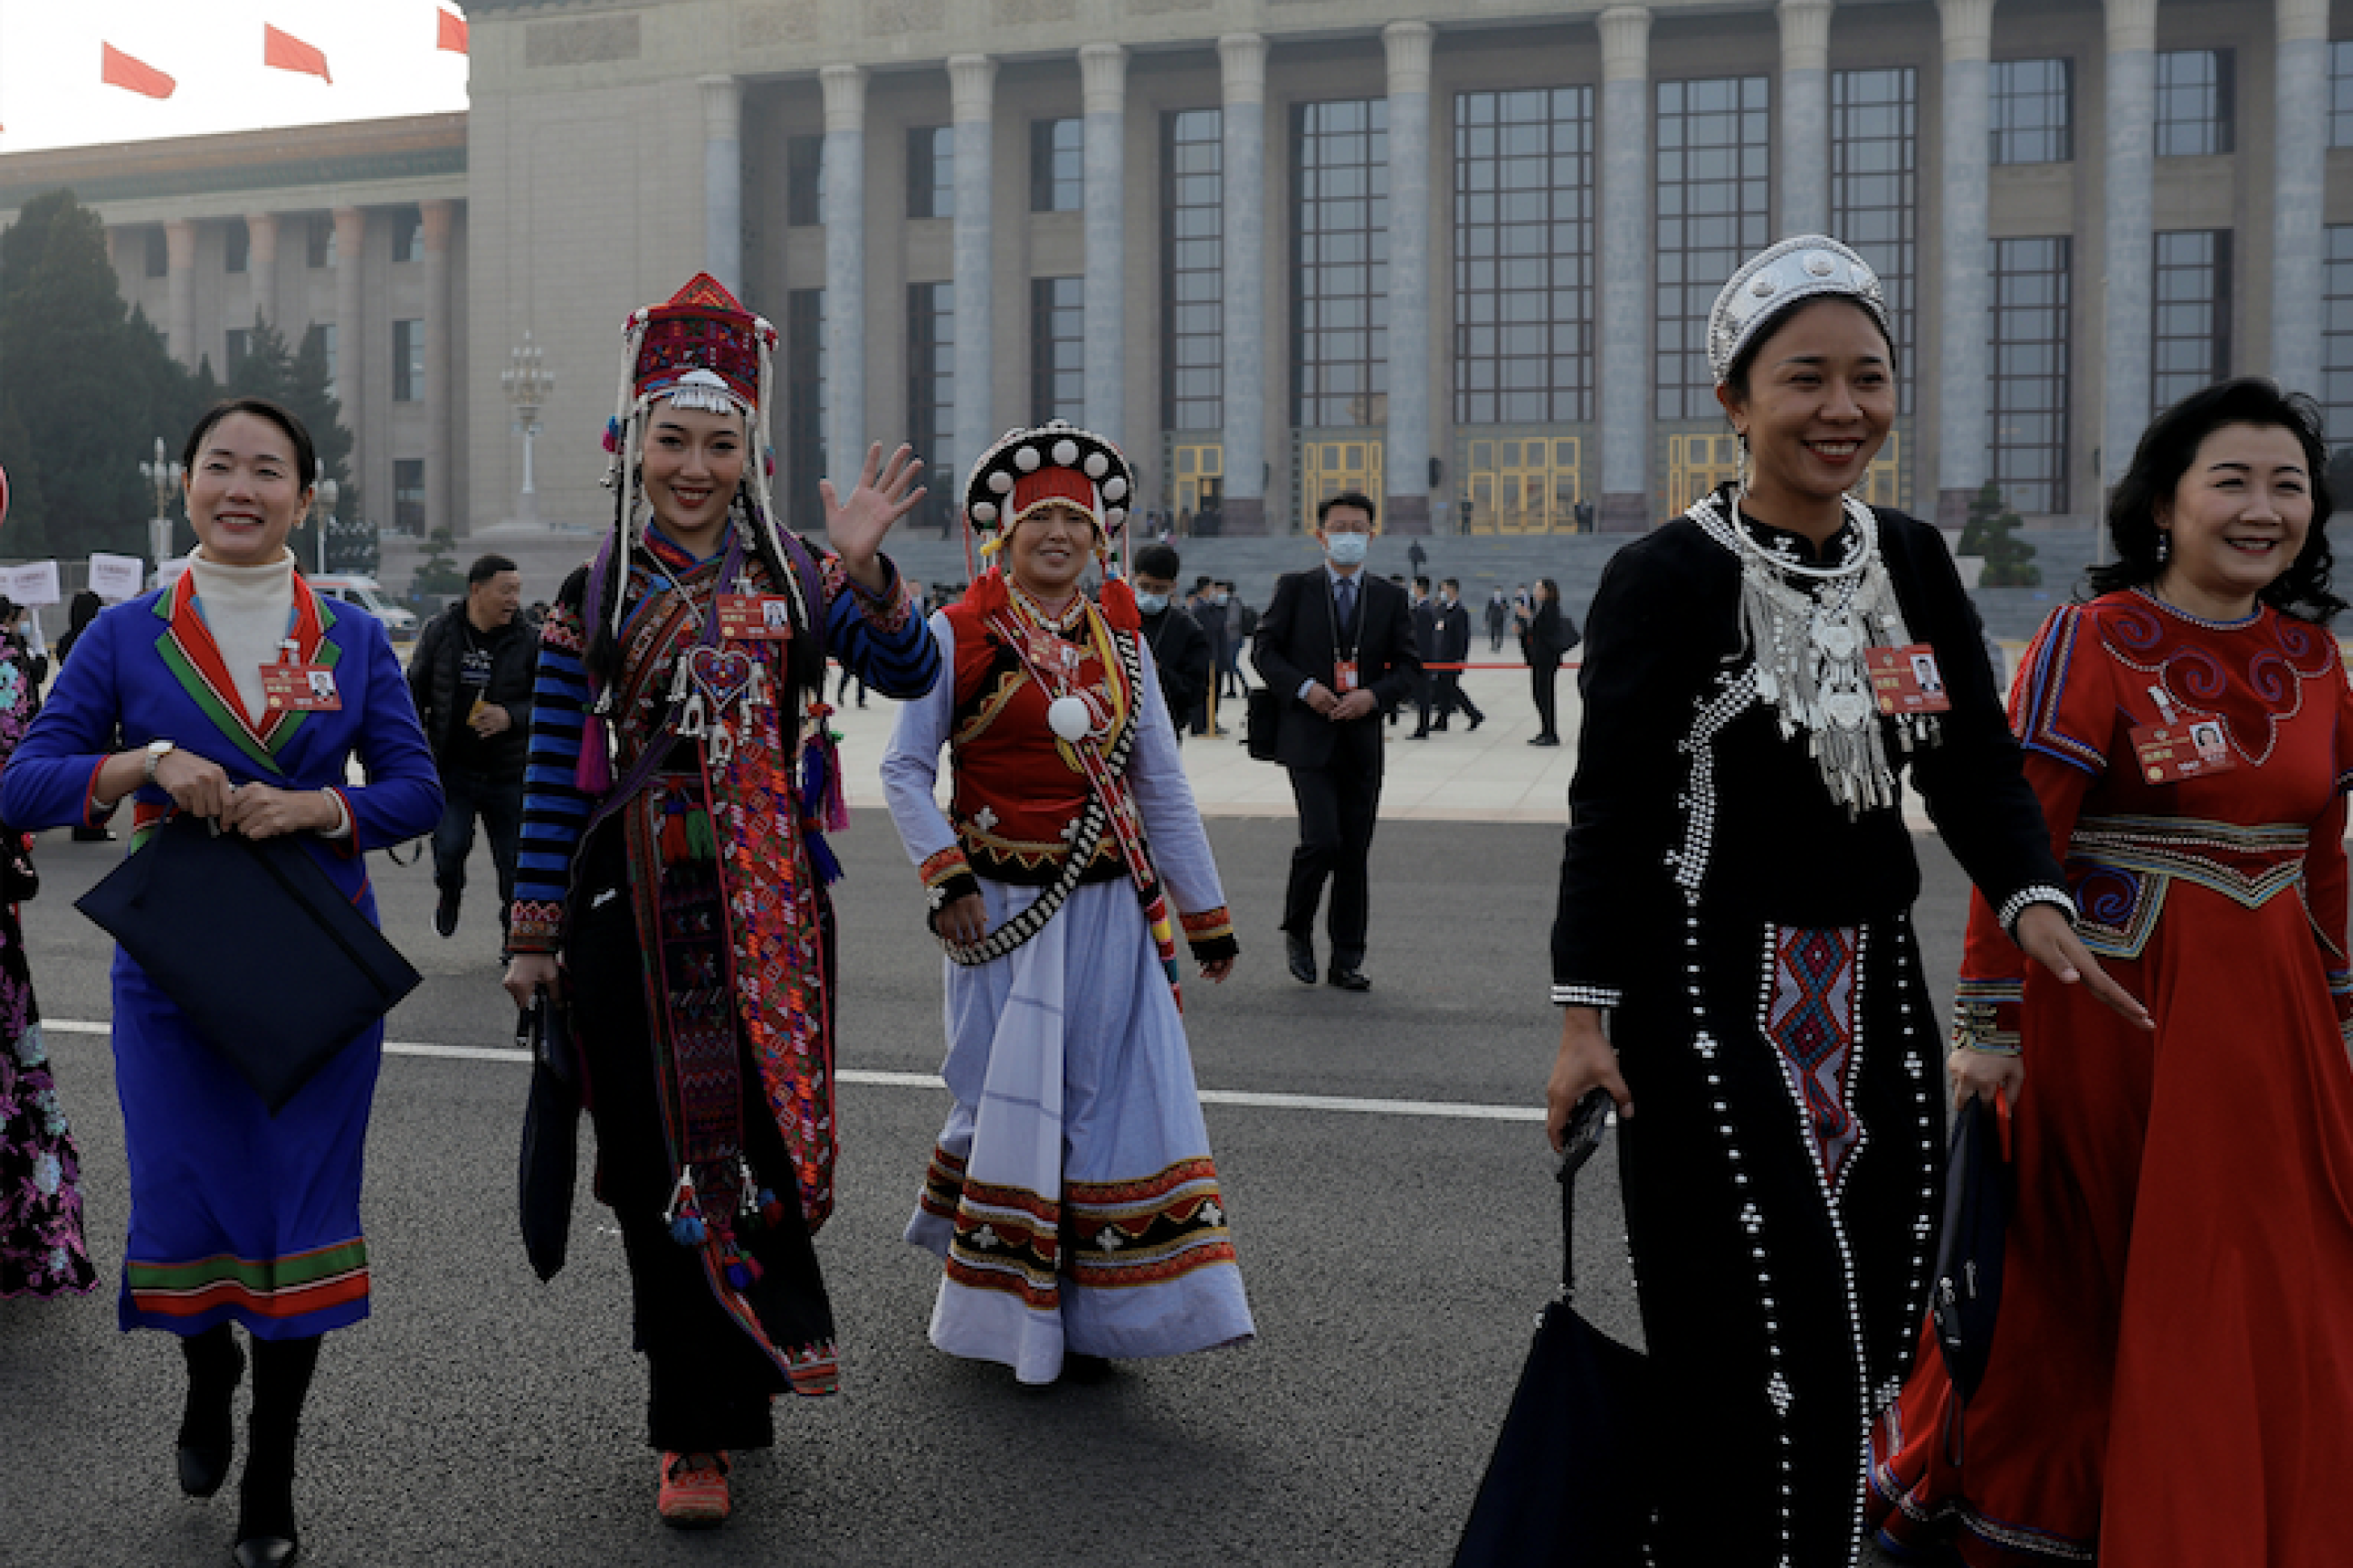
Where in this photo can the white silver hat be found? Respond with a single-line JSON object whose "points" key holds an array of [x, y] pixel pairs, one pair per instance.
{"points": [[1803, 266]]}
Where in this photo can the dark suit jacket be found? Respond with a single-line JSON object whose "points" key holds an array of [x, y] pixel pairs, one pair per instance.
{"points": [[1295, 643], [1453, 635]]}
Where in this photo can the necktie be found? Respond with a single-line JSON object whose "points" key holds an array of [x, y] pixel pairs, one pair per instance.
{"points": [[1346, 593]]}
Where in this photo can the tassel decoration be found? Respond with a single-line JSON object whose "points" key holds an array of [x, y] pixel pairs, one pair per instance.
{"points": [[593, 774], [821, 857]]}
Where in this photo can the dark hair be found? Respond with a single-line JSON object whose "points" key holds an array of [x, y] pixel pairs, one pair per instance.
{"points": [[83, 610], [488, 567], [1422, 582], [1356, 498], [1551, 588], [1159, 561], [2167, 449], [1455, 583], [1736, 377], [306, 456]]}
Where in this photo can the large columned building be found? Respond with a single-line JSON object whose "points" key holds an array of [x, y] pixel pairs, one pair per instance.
{"points": [[1458, 260]]}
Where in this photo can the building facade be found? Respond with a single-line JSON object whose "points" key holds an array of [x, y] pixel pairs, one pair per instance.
{"points": [[1461, 262]]}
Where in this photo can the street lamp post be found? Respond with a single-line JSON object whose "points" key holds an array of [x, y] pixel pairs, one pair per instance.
{"points": [[322, 504], [528, 383], [163, 476]]}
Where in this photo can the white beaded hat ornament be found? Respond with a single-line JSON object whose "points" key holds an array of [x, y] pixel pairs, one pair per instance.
{"points": [[1804, 267], [1055, 463]]}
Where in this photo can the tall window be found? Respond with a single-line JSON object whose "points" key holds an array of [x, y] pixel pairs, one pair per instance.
{"points": [[237, 248], [1715, 208], [159, 252], [408, 495], [1192, 270], [1057, 377], [2193, 102], [805, 408], [1523, 256], [239, 344], [409, 234], [318, 242], [2027, 385], [1874, 183], [931, 172], [2192, 338], [2337, 332], [409, 361], [2341, 93], [2033, 111], [1340, 264], [931, 388], [804, 180], [1057, 167], [324, 332]]}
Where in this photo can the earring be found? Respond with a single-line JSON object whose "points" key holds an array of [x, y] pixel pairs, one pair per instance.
{"points": [[2164, 546], [1740, 470]]}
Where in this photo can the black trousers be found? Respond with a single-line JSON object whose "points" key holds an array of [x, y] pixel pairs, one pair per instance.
{"points": [[1541, 679], [1451, 699], [1337, 808]]}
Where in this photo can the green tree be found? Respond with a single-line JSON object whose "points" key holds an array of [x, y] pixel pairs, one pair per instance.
{"points": [[85, 386], [1992, 533]]}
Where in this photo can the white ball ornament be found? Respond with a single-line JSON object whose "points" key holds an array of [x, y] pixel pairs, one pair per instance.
{"points": [[985, 513], [1068, 718], [1115, 516], [1096, 465], [1026, 459], [1114, 489], [1000, 481], [1066, 453]]}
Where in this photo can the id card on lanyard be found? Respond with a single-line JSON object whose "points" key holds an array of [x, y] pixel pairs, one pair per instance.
{"points": [[1347, 674]]}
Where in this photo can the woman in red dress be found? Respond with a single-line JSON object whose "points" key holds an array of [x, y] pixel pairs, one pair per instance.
{"points": [[2171, 1380]]}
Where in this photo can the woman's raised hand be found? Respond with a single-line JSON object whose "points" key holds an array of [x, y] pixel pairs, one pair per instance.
{"points": [[855, 524]]}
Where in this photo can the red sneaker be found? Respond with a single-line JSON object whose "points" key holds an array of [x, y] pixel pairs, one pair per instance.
{"points": [[693, 1491]]}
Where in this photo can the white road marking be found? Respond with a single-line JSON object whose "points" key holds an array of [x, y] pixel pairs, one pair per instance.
{"points": [[1455, 1110]]}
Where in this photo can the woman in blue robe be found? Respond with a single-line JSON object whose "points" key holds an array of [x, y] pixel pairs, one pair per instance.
{"points": [[236, 1215]]}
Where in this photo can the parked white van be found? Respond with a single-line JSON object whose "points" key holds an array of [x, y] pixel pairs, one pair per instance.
{"points": [[360, 593]]}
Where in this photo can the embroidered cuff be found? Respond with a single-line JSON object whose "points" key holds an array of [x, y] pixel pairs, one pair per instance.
{"points": [[1586, 996], [1210, 935], [2019, 902], [949, 866], [885, 611], [2341, 993], [534, 926], [1986, 1015]]}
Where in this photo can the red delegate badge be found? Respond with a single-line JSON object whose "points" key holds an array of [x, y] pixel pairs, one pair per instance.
{"points": [[2171, 752], [755, 617], [1343, 675], [301, 687], [1905, 680]]}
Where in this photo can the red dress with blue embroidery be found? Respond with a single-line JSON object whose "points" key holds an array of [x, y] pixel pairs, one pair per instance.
{"points": [[2171, 1379]]}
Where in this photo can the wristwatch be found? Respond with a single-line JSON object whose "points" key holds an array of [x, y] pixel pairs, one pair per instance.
{"points": [[156, 752]]}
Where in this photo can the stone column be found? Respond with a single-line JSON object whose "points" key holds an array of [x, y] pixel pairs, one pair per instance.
{"points": [[262, 266], [845, 268], [1627, 247], [1102, 75], [352, 356], [1406, 461], [1805, 152], [722, 181], [1243, 388], [440, 390], [1964, 263], [2300, 116], [180, 309], [972, 82], [2129, 261]]}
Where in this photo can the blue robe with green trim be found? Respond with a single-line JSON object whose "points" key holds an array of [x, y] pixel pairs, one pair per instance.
{"points": [[235, 1214]]}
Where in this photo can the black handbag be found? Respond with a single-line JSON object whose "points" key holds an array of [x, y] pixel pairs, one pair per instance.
{"points": [[1965, 1298], [550, 1167], [1569, 1480], [272, 963], [1262, 717]]}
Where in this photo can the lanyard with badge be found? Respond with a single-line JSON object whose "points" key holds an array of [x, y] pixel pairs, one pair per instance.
{"points": [[1345, 677], [289, 685]]}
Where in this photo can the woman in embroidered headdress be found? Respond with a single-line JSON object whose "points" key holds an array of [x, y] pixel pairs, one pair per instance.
{"points": [[670, 882], [1736, 896], [2173, 1364], [1072, 1196], [238, 1216]]}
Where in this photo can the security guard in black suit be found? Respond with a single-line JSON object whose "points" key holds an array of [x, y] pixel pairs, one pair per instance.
{"points": [[1337, 646]]}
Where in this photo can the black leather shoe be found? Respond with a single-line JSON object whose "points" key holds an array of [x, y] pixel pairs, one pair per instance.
{"points": [[1301, 953], [1544, 740], [203, 1469], [1419, 735], [1477, 720], [1350, 979], [265, 1552]]}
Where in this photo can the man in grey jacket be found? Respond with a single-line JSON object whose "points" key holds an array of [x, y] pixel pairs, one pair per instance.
{"points": [[471, 677]]}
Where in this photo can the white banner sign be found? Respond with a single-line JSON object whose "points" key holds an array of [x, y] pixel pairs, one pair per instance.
{"points": [[36, 583], [115, 578]]}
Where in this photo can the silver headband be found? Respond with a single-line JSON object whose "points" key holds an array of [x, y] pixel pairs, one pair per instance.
{"points": [[1803, 266]]}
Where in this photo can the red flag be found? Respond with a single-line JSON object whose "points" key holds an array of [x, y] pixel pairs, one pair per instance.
{"points": [[452, 34], [116, 69], [284, 51]]}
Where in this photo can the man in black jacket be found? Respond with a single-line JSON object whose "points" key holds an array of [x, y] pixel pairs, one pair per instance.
{"points": [[1454, 648], [1337, 644], [471, 676], [1181, 650]]}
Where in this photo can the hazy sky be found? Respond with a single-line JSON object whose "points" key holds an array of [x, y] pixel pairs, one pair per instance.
{"points": [[380, 52]]}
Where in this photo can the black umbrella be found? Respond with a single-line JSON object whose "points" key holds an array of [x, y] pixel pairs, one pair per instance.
{"points": [[1966, 1298], [551, 1135], [1568, 1483]]}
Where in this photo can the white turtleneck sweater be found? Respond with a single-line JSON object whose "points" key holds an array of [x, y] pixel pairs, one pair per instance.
{"points": [[248, 610]]}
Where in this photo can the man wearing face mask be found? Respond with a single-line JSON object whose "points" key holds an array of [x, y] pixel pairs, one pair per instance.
{"points": [[1181, 650], [1454, 648], [1337, 642]]}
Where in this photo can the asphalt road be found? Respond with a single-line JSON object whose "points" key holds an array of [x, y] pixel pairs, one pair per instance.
{"points": [[1395, 1259]]}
